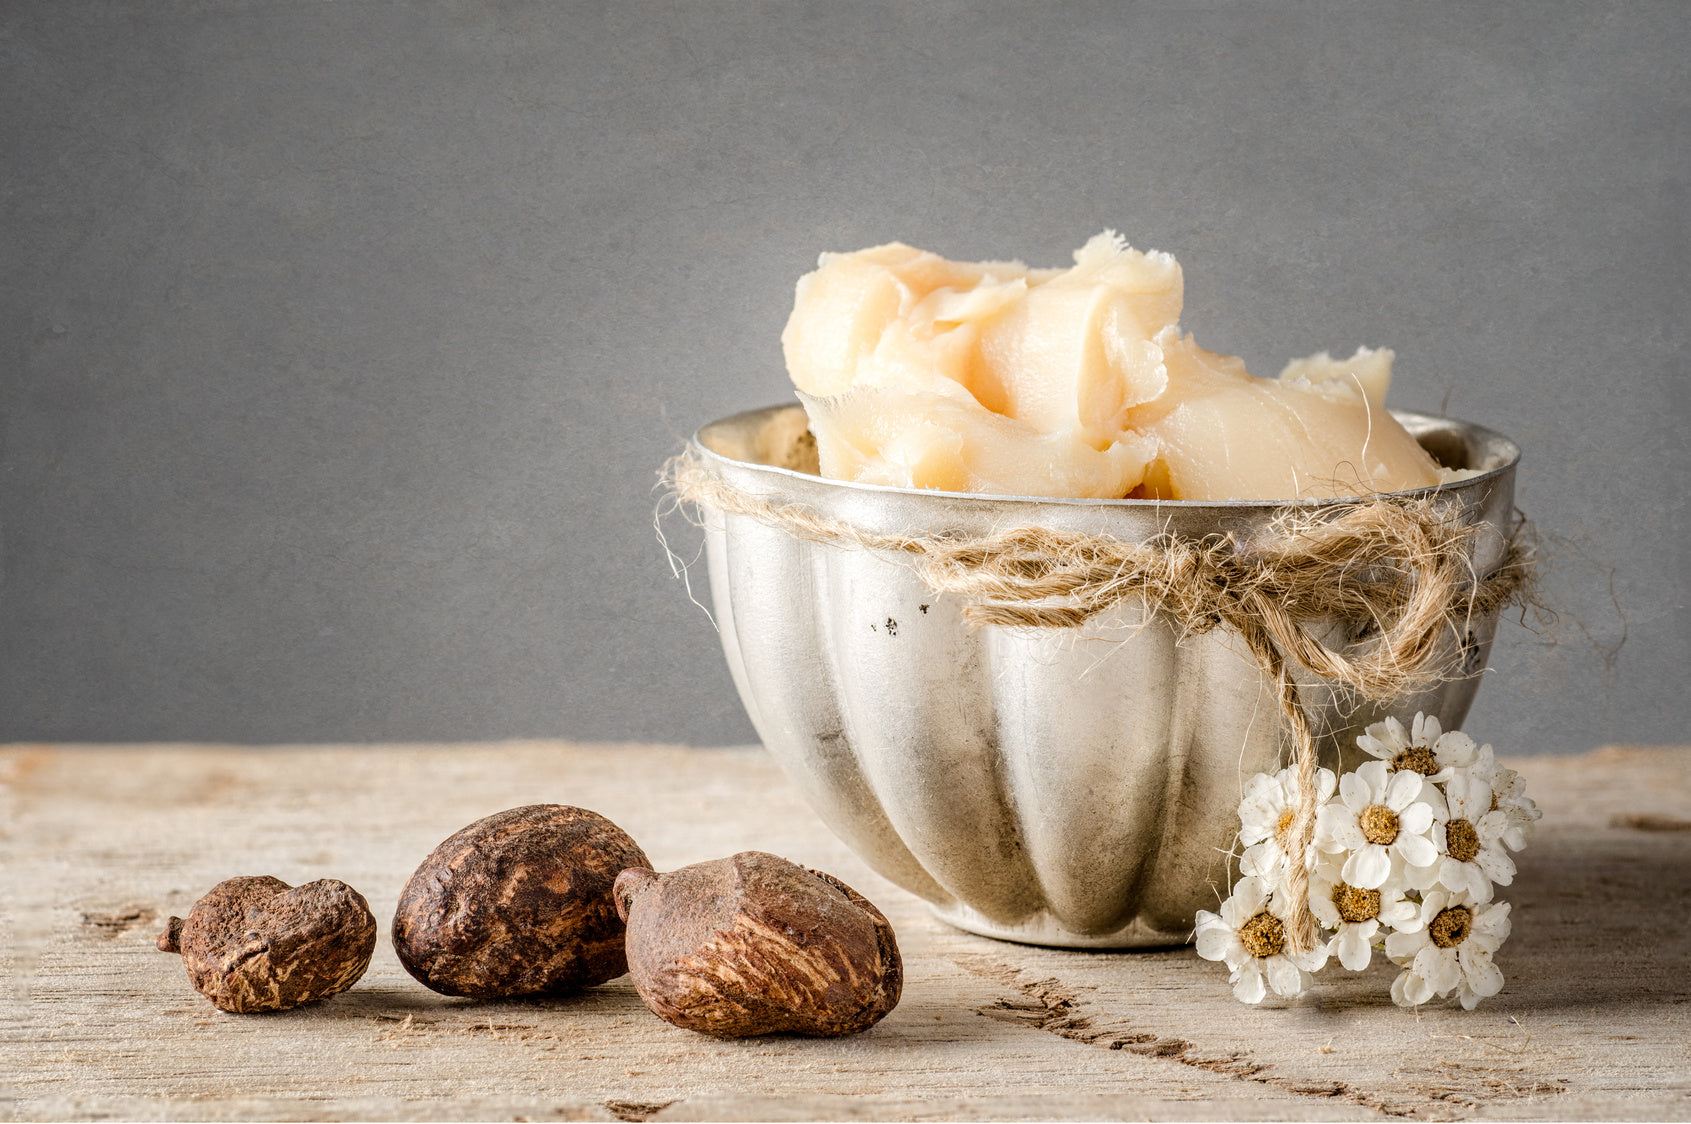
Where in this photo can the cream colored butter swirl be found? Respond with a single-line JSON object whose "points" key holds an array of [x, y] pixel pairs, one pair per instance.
{"points": [[992, 377]]}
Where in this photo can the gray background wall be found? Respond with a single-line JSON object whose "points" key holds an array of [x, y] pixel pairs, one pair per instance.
{"points": [[342, 341]]}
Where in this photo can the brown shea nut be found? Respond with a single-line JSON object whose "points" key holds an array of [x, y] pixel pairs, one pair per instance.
{"points": [[518, 903], [754, 944], [257, 944]]}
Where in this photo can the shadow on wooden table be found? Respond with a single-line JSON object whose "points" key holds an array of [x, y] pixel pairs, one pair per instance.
{"points": [[1598, 918]]}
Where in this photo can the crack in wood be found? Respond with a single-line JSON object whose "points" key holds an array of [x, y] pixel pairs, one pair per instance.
{"points": [[1469, 1085], [414, 1031], [636, 1110], [1055, 1007], [109, 925]]}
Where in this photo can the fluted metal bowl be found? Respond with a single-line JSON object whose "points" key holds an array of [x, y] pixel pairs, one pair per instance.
{"points": [[1074, 787]]}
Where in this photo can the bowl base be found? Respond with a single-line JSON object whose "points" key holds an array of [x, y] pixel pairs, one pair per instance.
{"points": [[1043, 929]]}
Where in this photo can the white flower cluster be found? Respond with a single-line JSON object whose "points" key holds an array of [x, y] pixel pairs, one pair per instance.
{"points": [[1404, 861]]}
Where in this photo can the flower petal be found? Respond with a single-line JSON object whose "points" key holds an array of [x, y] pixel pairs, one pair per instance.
{"points": [[1456, 799], [1476, 797], [1453, 876], [1482, 942], [1402, 789], [1345, 833], [1404, 944], [1399, 913], [1491, 826], [1353, 947], [1498, 866], [1353, 791], [1368, 867], [1479, 886], [1284, 977], [1438, 967], [1248, 983], [1416, 818], [1410, 990], [1455, 748], [1494, 919], [1264, 861], [1482, 975], [1374, 775], [1422, 878], [1506, 782], [1214, 941], [1417, 850], [1327, 815], [1372, 745], [1312, 961]]}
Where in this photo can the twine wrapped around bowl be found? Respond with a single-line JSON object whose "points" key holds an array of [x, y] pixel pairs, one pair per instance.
{"points": [[1039, 714]]}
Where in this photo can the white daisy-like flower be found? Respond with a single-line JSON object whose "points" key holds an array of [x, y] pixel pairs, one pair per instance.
{"points": [[1470, 842], [1355, 915], [1508, 795], [1451, 954], [1380, 814], [1424, 748], [1266, 815], [1249, 936]]}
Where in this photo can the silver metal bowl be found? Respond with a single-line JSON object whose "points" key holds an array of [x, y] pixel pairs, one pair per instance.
{"points": [[1074, 787]]}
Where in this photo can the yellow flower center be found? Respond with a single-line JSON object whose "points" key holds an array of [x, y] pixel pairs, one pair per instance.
{"points": [[1356, 904], [1461, 840], [1378, 824], [1417, 759], [1283, 828], [1452, 926], [1263, 935]]}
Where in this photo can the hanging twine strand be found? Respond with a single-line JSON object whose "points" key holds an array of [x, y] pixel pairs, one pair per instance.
{"points": [[1400, 567]]}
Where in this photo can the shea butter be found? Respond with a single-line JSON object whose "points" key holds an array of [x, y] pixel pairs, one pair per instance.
{"points": [[991, 377]]}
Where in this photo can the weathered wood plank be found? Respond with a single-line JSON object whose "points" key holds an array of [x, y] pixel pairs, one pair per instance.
{"points": [[100, 844]]}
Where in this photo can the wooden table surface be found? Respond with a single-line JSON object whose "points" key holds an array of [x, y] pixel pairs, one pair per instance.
{"points": [[100, 844]]}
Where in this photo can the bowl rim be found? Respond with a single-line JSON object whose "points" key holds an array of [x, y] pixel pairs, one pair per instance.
{"points": [[1416, 423]]}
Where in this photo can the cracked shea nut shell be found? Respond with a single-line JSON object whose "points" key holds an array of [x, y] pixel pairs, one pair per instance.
{"points": [[257, 944], [518, 903], [754, 944]]}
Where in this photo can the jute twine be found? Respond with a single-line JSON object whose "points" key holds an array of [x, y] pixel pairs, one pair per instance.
{"points": [[1399, 567]]}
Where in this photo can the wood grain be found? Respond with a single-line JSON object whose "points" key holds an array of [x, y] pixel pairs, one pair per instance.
{"points": [[101, 844]]}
